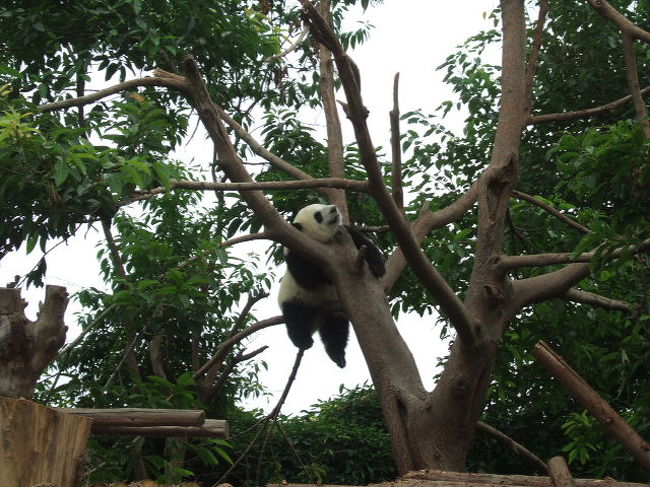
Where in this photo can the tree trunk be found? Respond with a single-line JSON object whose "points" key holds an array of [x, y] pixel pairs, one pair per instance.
{"points": [[40, 445], [26, 347], [427, 429]]}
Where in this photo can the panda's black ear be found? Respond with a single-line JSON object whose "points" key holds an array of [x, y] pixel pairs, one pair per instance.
{"points": [[297, 226]]}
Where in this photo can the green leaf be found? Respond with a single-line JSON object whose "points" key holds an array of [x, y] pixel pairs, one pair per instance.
{"points": [[61, 172]]}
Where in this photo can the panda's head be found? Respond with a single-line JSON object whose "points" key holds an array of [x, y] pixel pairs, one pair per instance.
{"points": [[317, 221]]}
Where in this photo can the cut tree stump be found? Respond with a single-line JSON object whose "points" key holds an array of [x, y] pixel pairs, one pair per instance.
{"points": [[39, 445]]}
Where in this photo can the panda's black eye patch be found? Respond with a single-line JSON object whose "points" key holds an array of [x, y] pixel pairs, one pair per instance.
{"points": [[318, 216]]}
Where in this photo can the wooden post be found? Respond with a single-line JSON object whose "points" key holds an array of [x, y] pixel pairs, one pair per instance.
{"points": [[597, 406], [560, 473], [39, 445]]}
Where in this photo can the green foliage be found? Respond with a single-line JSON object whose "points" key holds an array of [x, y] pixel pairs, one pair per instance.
{"points": [[339, 441]]}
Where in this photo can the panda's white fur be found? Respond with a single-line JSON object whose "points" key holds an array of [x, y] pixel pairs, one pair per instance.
{"points": [[308, 299]]}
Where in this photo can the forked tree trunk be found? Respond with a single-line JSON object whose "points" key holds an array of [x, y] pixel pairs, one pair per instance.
{"points": [[427, 429], [27, 347]]}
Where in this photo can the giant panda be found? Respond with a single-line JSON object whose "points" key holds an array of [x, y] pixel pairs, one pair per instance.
{"points": [[307, 297]]}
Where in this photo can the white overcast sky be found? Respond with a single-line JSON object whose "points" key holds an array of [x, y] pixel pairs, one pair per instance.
{"points": [[411, 37]]}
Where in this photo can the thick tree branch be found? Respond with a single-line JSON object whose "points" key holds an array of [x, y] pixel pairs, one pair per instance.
{"points": [[27, 347], [396, 148], [489, 288], [588, 112], [623, 23], [553, 211], [449, 302], [633, 84], [593, 299]]}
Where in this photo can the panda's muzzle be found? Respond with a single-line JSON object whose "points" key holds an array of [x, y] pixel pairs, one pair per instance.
{"points": [[333, 216]]}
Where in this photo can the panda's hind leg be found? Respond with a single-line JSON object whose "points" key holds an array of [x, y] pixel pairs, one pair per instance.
{"points": [[299, 318], [334, 333]]}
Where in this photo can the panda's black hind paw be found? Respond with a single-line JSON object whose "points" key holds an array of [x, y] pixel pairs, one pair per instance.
{"points": [[337, 358]]}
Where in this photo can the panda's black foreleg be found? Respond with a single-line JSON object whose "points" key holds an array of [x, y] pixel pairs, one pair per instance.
{"points": [[334, 333], [299, 318]]}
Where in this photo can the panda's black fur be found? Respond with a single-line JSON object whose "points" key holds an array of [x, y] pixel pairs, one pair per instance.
{"points": [[307, 297]]}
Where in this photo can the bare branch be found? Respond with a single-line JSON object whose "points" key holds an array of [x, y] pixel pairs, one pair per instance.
{"points": [[270, 417], [291, 48], [396, 149], [541, 260], [129, 355], [262, 151], [353, 185], [516, 447], [623, 23], [586, 297], [114, 251], [555, 284], [553, 211], [335, 159], [250, 302], [633, 84], [160, 78], [225, 347], [246, 238], [247, 356], [588, 112], [531, 67]]}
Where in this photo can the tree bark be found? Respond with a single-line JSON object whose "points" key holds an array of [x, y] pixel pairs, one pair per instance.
{"points": [[27, 347], [39, 444]]}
